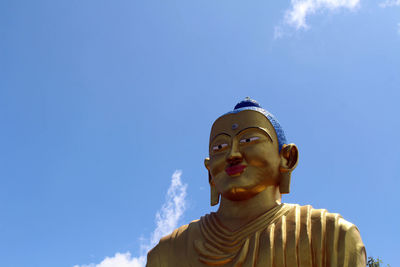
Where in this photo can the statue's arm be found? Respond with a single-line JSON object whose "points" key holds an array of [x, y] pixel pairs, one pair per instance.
{"points": [[352, 248], [153, 258], [170, 251], [340, 245], [159, 255]]}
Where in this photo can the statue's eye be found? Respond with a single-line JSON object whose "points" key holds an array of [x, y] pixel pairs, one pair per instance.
{"points": [[219, 147], [248, 140]]}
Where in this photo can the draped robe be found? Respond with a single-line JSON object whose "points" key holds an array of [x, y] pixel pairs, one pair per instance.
{"points": [[285, 236]]}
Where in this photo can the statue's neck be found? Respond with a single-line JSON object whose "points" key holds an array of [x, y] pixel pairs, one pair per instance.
{"points": [[235, 214]]}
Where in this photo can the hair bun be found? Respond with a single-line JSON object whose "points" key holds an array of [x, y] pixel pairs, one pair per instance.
{"points": [[247, 102]]}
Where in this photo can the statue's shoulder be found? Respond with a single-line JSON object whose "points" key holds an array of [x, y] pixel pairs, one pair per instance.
{"points": [[320, 220], [308, 214], [173, 246], [329, 233]]}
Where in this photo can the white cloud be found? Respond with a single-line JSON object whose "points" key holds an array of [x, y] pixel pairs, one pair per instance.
{"points": [[166, 220], [119, 260], [389, 3], [301, 9], [172, 210]]}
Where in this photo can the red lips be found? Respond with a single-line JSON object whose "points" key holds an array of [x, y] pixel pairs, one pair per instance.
{"points": [[235, 169]]}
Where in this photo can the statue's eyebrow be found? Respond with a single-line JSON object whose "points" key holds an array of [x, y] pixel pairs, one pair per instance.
{"points": [[212, 140], [258, 128]]}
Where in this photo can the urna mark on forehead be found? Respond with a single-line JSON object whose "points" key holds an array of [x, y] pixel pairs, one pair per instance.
{"points": [[250, 114], [232, 124]]}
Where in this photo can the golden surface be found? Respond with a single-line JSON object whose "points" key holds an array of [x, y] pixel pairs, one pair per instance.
{"points": [[252, 227]]}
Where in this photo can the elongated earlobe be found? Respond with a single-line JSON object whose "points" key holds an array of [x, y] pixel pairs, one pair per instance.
{"points": [[284, 185], [214, 195], [213, 191]]}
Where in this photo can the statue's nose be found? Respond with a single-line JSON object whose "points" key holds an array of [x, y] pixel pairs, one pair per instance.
{"points": [[234, 157]]}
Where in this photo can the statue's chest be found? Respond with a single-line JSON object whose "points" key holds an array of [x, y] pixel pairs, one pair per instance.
{"points": [[261, 243]]}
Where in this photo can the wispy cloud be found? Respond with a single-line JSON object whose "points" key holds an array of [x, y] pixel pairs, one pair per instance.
{"points": [[299, 10], [390, 3], [167, 219], [119, 260]]}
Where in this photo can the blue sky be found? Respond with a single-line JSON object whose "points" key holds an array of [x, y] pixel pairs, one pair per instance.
{"points": [[102, 101]]}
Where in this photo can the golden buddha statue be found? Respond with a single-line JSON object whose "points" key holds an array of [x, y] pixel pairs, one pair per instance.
{"points": [[249, 169]]}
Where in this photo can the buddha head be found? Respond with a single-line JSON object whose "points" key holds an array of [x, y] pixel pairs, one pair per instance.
{"points": [[248, 153]]}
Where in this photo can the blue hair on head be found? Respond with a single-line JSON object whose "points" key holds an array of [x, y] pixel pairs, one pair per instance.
{"points": [[251, 104]]}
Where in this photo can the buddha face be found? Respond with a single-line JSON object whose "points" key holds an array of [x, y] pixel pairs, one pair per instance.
{"points": [[244, 155]]}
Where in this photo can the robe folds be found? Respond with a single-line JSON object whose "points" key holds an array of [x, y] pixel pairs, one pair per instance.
{"points": [[286, 236]]}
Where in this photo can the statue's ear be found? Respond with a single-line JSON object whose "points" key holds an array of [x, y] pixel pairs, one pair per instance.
{"points": [[207, 163], [289, 158]]}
